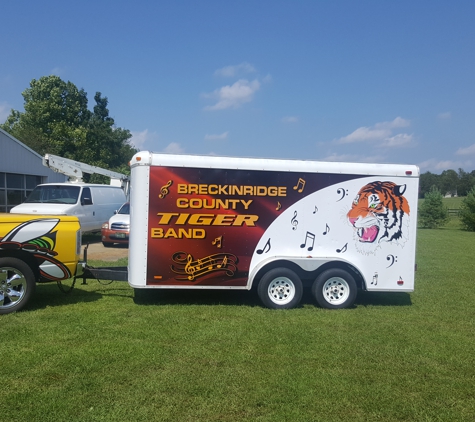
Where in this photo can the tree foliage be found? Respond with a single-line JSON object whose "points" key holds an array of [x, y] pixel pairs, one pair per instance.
{"points": [[449, 182], [432, 212], [426, 181], [467, 211], [466, 182], [57, 120]]}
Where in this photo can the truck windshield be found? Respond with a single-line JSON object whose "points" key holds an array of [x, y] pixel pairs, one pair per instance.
{"points": [[124, 209], [54, 194]]}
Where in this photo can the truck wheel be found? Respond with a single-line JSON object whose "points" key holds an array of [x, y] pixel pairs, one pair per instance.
{"points": [[17, 284], [334, 289], [280, 288]]}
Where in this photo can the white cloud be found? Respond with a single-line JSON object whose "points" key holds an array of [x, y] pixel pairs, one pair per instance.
{"points": [[174, 148], [219, 137], [379, 132], [363, 134], [57, 71], [466, 151], [396, 123], [290, 119], [445, 116], [436, 166], [402, 139], [4, 112], [233, 96], [232, 71], [139, 139], [267, 79]]}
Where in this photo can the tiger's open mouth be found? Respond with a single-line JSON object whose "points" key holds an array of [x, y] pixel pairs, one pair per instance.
{"points": [[368, 234]]}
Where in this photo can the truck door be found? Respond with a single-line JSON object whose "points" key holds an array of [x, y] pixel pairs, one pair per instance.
{"points": [[87, 217]]}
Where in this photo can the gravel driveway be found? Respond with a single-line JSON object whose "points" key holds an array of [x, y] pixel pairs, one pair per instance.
{"points": [[97, 251]]}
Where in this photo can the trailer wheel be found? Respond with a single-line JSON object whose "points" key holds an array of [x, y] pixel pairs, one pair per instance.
{"points": [[17, 284], [280, 288], [334, 289]]}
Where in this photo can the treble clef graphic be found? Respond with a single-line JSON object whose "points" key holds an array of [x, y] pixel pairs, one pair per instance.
{"points": [[294, 221], [164, 189]]}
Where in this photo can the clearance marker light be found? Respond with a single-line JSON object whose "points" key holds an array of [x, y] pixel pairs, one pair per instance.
{"points": [[408, 172]]}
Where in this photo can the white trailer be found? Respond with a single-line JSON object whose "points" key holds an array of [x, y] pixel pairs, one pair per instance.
{"points": [[207, 222]]}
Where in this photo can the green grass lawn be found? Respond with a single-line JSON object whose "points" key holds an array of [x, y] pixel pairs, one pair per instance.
{"points": [[95, 355]]}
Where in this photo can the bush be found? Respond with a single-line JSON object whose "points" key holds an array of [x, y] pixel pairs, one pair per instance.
{"points": [[467, 211], [432, 213]]}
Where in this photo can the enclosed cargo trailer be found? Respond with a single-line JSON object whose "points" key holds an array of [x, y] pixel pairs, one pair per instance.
{"points": [[207, 222]]}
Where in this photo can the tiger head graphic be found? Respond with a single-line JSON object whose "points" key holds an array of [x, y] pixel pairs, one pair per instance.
{"points": [[379, 213]]}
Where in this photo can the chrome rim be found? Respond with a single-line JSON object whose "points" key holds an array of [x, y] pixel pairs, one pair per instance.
{"points": [[336, 290], [281, 290], [12, 287]]}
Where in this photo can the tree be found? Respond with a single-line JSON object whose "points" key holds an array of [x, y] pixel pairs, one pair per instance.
{"points": [[53, 121], [56, 120], [426, 181], [467, 211], [448, 182], [466, 182], [432, 213], [105, 144]]}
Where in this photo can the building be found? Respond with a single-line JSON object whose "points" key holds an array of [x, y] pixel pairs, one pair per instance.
{"points": [[21, 169]]}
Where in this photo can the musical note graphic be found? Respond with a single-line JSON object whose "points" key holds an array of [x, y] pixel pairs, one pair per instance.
{"points": [[225, 261], [164, 189], [279, 206], [316, 209], [308, 236], [294, 221], [375, 279], [342, 192], [189, 267], [391, 258], [193, 269], [217, 242], [327, 230], [266, 246], [299, 187], [343, 249]]}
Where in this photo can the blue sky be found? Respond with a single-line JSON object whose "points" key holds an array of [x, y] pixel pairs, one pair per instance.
{"points": [[364, 81]]}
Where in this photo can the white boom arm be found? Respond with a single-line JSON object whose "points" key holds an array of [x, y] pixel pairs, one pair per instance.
{"points": [[74, 170]]}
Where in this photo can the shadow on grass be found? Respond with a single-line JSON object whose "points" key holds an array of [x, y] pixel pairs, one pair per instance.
{"points": [[196, 297], [49, 294], [383, 299], [250, 298]]}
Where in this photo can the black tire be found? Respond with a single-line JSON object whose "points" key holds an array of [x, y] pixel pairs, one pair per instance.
{"points": [[335, 289], [280, 288], [17, 284], [107, 244]]}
